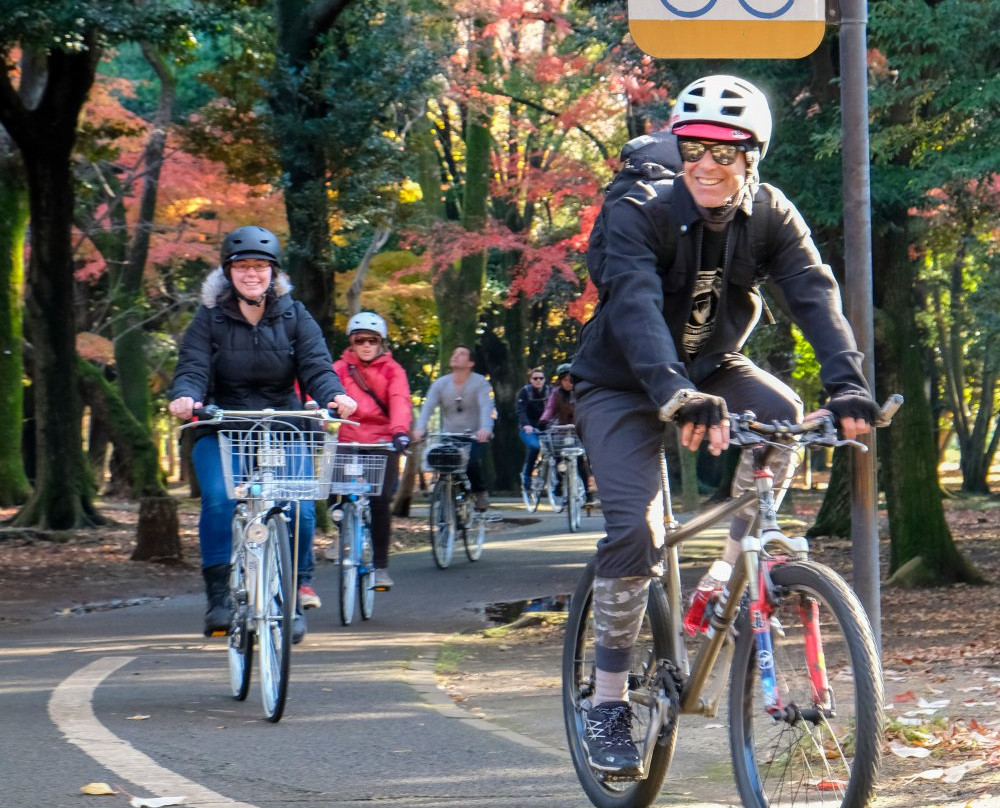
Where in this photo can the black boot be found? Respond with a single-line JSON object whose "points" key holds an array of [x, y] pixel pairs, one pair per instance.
{"points": [[219, 614]]}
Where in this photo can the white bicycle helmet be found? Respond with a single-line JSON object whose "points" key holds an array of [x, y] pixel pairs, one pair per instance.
{"points": [[727, 105], [367, 321]]}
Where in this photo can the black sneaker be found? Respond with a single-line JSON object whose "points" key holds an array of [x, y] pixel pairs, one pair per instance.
{"points": [[608, 734]]}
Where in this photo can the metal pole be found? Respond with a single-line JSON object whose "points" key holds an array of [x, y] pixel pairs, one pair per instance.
{"points": [[858, 290]]}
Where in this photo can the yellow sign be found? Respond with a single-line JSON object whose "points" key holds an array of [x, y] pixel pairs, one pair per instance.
{"points": [[727, 29]]}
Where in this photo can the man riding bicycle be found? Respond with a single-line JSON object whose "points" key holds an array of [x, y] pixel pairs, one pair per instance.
{"points": [[674, 265]]}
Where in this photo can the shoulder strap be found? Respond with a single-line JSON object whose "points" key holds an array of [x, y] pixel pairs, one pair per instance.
{"points": [[356, 375]]}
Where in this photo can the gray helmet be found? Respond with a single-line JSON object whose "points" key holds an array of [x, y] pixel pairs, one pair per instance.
{"points": [[251, 242], [367, 321], [563, 369]]}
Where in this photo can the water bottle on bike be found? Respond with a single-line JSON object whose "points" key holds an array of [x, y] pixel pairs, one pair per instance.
{"points": [[709, 587]]}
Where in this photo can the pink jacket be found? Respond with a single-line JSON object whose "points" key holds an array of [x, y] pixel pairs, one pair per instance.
{"points": [[387, 379]]}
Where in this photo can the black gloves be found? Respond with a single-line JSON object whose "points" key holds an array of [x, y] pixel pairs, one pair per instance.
{"points": [[859, 406], [400, 442], [692, 407]]}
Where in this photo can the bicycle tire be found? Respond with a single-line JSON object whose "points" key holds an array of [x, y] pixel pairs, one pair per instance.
{"points": [[274, 632], [350, 558], [574, 502], [442, 523], [578, 685], [829, 762], [531, 495], [556, 502], [474, 537], [240, 651], [366, 577]]}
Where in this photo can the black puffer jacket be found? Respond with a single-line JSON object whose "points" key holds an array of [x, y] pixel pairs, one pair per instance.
{"points": [[632, 341], [226, 361]]}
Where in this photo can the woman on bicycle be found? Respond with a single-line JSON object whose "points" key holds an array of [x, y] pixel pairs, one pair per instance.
{"points": [[244, 349], [664, 345], [559, 410], [379, 385]]}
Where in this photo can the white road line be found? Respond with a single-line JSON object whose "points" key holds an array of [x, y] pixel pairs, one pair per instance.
{"points": [[70, 710]]}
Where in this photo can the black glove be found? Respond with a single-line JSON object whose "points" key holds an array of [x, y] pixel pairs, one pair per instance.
{"points": [[857, 405], [400, 442], [696, 408]]}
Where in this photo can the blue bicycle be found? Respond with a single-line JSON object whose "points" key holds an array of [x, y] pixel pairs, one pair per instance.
{"points": [[358, 473]]}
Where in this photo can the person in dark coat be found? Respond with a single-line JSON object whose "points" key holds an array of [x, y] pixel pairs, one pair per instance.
{"points": [[247, 345], [677, 274]]}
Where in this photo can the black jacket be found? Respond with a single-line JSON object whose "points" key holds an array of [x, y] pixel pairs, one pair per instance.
{"points": [[226, 361], [633, 340], [530, 404]]}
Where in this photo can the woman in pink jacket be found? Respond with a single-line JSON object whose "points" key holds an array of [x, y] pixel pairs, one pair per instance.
{"points": [[378, 384]]}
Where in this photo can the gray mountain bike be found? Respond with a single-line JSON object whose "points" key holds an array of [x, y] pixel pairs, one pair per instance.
{"points": [[805, 682]]}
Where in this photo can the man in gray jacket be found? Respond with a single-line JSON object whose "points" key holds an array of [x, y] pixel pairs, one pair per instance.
{"points": [[465, 399], [676, 262]]}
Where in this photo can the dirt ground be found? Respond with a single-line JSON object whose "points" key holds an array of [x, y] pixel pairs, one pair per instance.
{"points": [[941, 647]]}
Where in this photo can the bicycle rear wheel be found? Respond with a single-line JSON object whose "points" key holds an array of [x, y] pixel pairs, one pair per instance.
{"points": [[474, 537], [532, 494], [366, 576], [349, 563], [574, 495], [443, 523], [240, 635], [826, 754], [556, 501], [275, 629], [646, 687]]}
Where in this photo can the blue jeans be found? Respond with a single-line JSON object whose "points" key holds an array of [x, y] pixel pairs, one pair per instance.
{"points": [[530, 441], [215, 524]]}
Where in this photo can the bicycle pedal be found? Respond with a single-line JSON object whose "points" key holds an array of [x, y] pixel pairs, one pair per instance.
{"points": [[222, 633], [381, 588]]}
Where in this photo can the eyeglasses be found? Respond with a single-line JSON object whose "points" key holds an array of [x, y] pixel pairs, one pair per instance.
{"points": [[365, 340], [724, 154], [458, 404], [538, 378], [250, 266]]}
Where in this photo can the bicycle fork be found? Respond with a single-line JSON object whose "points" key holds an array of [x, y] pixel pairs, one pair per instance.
{"points": [[764, 627]]}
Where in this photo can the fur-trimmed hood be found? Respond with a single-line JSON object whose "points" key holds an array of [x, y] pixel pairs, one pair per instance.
{"points": [[216, 286]]}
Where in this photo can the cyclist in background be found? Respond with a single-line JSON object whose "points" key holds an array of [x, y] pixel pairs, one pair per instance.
{"points": [[559, 410], [379, 384], [663, 345], [530, 404], [244, 349], [465, 399]]}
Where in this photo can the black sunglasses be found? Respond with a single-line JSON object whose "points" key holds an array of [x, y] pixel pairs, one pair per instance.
{"points": [[458, 403], [538, 378], [724, 154], [365, 340]]}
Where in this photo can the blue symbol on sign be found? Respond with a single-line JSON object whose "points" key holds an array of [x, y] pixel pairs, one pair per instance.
{"points": [[689, 14], [699, 12]]}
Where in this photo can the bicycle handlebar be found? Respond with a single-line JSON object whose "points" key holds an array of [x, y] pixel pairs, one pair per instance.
{"points": [[746, 429], [213, 413]]}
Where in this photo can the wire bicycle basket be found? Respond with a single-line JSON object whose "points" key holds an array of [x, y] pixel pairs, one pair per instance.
{"points": [[276, 460], [560, 440], [358, 473], [447, 457]]}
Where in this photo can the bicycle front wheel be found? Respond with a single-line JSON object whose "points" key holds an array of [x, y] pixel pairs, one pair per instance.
{"points": [[240, 634], [275, 628], [443, 523], [574, 495], [532, 494], [350, 558], [647, 691], [825, 752]]}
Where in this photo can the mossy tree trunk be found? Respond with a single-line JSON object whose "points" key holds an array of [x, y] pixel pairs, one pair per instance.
{"points": [[14, 485], [923, 552]]}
